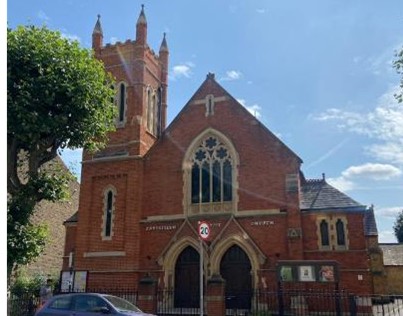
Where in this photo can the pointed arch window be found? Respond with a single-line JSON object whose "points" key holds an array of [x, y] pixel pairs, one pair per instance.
{"points": [[211, 174], [159, 112], [324, 233], [121, 103], [108, 213], [340, 232], [153, 111], [210, 170], [332, 233]]}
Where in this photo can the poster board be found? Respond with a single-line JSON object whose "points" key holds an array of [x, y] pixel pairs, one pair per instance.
{"points": [[73, 281], [307, 271], [306, 274]]}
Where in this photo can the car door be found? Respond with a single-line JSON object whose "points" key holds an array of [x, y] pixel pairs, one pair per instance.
{"points": [[87, 305]]}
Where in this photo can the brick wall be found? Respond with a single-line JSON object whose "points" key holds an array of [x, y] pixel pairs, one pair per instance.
{"points": [[53, 215]]}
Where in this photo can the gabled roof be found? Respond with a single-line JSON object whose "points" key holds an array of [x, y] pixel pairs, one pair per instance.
{"points": [[210, 85], [317, 194]]}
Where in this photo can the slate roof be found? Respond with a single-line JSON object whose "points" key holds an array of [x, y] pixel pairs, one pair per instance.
{"points": [[317, 194], [370, 223], [392, 254]]}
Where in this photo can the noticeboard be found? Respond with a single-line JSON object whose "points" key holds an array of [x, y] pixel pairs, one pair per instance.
{"points": [[307, 271], [73, 281]]}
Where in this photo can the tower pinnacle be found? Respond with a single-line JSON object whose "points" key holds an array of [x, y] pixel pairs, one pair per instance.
{"points": [[141, 28], [97, 35]]}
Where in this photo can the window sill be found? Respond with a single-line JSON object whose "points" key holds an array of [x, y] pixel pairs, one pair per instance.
{"points": [[211, 207]]}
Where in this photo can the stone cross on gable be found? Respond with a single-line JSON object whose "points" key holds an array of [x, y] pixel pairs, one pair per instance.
{"points": [[209, 102]]}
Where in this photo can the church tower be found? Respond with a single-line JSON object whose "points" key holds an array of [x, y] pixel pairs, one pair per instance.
{"points": [[141, 81], [110, 210]]}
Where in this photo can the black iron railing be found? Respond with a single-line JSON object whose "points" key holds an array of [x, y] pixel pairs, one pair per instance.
{"points": [[312, 302]]}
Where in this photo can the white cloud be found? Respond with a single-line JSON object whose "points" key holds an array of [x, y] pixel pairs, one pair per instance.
{"points": [[369, 171], [182, 70], [373, 171], [232, 75], [389, 151], [384, 124], [261, 11], [342, 184], [42, 16], [71, 37], [253, 109], [389, 211]]}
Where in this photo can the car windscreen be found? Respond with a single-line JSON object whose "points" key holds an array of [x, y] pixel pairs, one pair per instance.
{"points": [[121, 304]]}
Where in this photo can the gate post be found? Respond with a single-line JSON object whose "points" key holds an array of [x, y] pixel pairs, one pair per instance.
{"points": [[147, 295], [215, 297]]}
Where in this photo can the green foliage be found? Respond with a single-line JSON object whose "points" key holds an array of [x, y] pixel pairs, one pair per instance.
{"points": [[24, 284], [398, 65], [398, 227], [58, 96], [56, 90], [24, 242]]}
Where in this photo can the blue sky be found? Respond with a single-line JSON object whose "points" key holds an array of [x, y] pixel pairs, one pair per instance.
{"points": [[317, 73]]}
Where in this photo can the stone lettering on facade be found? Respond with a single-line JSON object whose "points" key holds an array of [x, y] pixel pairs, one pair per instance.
{"points": [[160, 227], [262, 223]]}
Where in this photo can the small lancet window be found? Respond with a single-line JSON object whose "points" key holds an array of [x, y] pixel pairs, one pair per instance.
{"points": [[341, 238], [324, 233], [209, 105], [149, 109], [122, 102], [159, 112], [108, 214], [153, 124]]}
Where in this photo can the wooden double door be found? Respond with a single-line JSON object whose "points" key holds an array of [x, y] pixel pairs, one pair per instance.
{"points": [[235, 268]]}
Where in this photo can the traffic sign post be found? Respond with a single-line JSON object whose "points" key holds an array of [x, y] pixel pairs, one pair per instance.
{"points": [[204, 232]]}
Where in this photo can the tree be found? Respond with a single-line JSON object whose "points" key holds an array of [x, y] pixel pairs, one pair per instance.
{"points": [[398, 65], [398, 227], [58, 96]]}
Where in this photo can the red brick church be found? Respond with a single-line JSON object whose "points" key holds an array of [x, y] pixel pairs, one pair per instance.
{"points": [[143, 196]]}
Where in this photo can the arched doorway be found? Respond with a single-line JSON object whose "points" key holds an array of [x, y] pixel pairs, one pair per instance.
{"points": [[235, 268], [187, 279]]}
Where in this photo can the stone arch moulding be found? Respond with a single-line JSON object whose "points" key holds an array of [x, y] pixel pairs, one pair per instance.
{"points": [[187, 168], [168, 261], [222, 246]]}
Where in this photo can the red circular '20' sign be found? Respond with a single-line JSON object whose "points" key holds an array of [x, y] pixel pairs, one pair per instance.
{"points": [[204, 230]]}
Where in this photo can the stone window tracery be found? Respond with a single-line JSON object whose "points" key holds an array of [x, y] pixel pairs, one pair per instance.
{"points": [[211, 177], [211, 172]]}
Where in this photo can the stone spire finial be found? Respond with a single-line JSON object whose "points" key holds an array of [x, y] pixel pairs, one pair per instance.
{"points": [[98, 28], [164, 45], [142, 17], [97, 35]]}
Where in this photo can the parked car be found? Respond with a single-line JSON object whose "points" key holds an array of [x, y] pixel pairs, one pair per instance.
{"points": [[88, 304]]}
